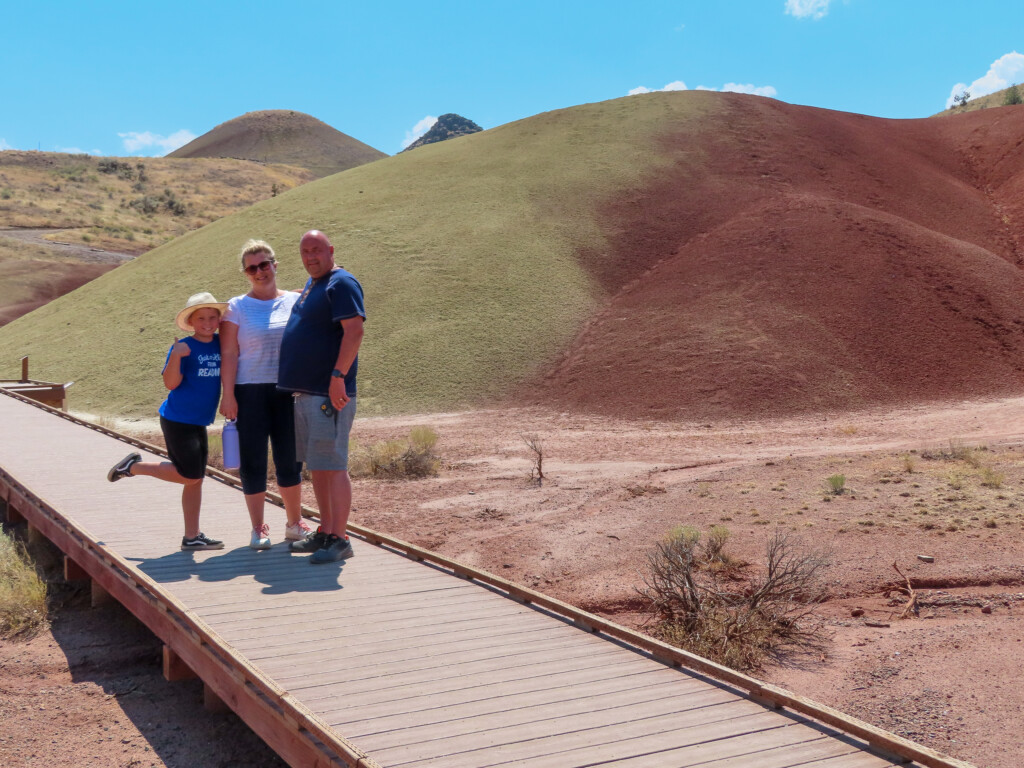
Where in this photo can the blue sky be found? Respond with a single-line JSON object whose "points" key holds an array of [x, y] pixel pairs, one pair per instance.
{"points": [[132, 78]]}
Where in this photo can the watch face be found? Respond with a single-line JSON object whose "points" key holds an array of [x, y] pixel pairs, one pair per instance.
{"points": [[336, 373]]}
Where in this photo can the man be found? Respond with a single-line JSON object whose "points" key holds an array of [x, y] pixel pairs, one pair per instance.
{"points": [[319, 362]]}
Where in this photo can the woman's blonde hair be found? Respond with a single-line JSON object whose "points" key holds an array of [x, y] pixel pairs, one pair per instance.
{"points": [[256, 246]]}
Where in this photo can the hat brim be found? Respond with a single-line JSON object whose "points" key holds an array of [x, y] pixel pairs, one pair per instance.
{"points": [[182, 319]]}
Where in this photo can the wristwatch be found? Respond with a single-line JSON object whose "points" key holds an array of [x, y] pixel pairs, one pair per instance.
{"points": [[337, 374]]}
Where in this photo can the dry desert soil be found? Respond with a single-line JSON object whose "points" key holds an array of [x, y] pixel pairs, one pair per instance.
{"points": [[944, 481]]}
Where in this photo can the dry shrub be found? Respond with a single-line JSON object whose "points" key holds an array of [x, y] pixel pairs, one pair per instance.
{"points": [[703, 608], [536, 446], [397, 459], [22, 591], [957, 450]]}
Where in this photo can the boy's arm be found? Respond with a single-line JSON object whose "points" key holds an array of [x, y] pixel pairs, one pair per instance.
{"points": [[172, 369], [228, 368]]}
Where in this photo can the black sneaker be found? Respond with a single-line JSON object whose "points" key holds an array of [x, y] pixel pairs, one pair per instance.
{"points": [[123, 468], [334, 550], [202, 541], [311, 543]]}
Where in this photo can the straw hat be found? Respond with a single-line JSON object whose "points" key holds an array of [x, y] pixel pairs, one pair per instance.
{"points": [[196, 302]]}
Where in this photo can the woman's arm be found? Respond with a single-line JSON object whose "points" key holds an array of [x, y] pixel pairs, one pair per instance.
{"points": [[228, 368]]}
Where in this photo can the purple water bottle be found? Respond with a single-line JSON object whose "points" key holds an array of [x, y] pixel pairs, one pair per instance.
{"points": [[229, 438]]}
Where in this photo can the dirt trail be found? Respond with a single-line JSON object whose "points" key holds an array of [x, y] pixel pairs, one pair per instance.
{"points": [[83, 253]]}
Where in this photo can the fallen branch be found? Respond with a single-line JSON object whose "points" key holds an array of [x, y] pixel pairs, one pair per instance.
{"points": [[911, 606]]}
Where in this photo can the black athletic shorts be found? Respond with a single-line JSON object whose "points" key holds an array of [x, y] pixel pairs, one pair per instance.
{"points": [[187, 447]]}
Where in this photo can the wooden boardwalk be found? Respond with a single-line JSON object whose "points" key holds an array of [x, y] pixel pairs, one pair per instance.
{"points": [[388, 661]]}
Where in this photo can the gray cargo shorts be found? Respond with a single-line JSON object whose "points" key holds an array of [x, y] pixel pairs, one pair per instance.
{"points": [[321, 434]]}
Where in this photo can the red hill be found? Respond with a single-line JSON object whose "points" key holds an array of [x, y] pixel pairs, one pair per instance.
{"points": [[818, 260]]}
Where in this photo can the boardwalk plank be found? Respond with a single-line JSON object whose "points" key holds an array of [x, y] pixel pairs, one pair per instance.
{"points": [[562, 749]]}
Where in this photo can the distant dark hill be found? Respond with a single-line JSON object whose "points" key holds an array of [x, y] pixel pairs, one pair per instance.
{"points": [[448, 126], [282, 136]]}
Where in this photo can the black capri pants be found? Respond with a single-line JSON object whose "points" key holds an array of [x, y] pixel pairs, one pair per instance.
{"points": [[265, 412]]}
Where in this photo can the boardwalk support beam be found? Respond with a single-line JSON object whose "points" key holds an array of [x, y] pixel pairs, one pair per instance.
{"points": [[175, 667]]}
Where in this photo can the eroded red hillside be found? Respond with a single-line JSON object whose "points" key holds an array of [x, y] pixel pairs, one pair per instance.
{"points": [[815, 260]]}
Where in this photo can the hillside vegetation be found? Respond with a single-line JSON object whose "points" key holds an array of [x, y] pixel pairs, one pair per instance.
{"points": [[998, 99], [670, 255], [466, 248], [130, 204]]}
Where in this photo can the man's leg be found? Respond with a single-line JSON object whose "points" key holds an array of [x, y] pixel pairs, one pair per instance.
{"points": [[333, 491]]}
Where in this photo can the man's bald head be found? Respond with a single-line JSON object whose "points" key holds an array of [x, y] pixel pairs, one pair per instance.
{"points": [[317, 253]]}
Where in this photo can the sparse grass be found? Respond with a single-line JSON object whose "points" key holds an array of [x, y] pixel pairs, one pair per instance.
{"points": [[73, 192], [636, 490], [22, 592], [991, 478], [398, 459]]}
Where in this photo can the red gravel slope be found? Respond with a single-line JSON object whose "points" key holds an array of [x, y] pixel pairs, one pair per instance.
{"points": [[818, 260]]}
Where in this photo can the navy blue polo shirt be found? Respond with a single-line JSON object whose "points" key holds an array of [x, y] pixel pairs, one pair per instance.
{"points": [[312, 338]]}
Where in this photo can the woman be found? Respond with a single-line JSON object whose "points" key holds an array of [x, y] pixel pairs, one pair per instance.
{"points": [[250, 343]]}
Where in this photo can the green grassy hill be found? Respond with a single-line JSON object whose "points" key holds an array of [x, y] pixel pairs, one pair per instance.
{"points": [[466, 249]]}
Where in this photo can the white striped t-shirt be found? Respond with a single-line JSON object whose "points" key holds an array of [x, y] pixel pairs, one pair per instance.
{"points": [[260, 328]]}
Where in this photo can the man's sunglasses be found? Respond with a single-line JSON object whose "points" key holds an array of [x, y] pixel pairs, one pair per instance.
{"points": [[263, 266]]}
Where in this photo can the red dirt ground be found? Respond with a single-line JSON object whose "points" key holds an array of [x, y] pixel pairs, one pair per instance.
{"points": [[90, 692], [816, 260]]}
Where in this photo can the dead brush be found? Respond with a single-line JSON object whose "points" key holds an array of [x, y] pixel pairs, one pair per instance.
{"points": [[704, 606], [413, 457], [22, 591]]}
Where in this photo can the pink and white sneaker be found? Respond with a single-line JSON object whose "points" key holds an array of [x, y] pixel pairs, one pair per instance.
{"points": [[298, 532]]}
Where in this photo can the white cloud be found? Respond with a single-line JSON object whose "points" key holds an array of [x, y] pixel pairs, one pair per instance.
{"points": [[153, 143], [418, 130], [801, 9], [679, 85], [675, 85], [1004, 72], [756, 90], [77, 151], [4, 145]]}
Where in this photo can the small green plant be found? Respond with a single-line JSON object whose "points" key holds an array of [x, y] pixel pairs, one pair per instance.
{"points": [[22, 591], [836, 484], [1012, 97]]}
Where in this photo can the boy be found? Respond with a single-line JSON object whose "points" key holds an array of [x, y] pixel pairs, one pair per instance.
{"points": [[192, 374]]}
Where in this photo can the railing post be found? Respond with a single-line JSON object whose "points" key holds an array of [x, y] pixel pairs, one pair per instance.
{"points": [[24, 368]]}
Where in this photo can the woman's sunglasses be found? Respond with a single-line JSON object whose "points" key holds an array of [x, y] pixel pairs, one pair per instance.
{"points": [[263, 266]]}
